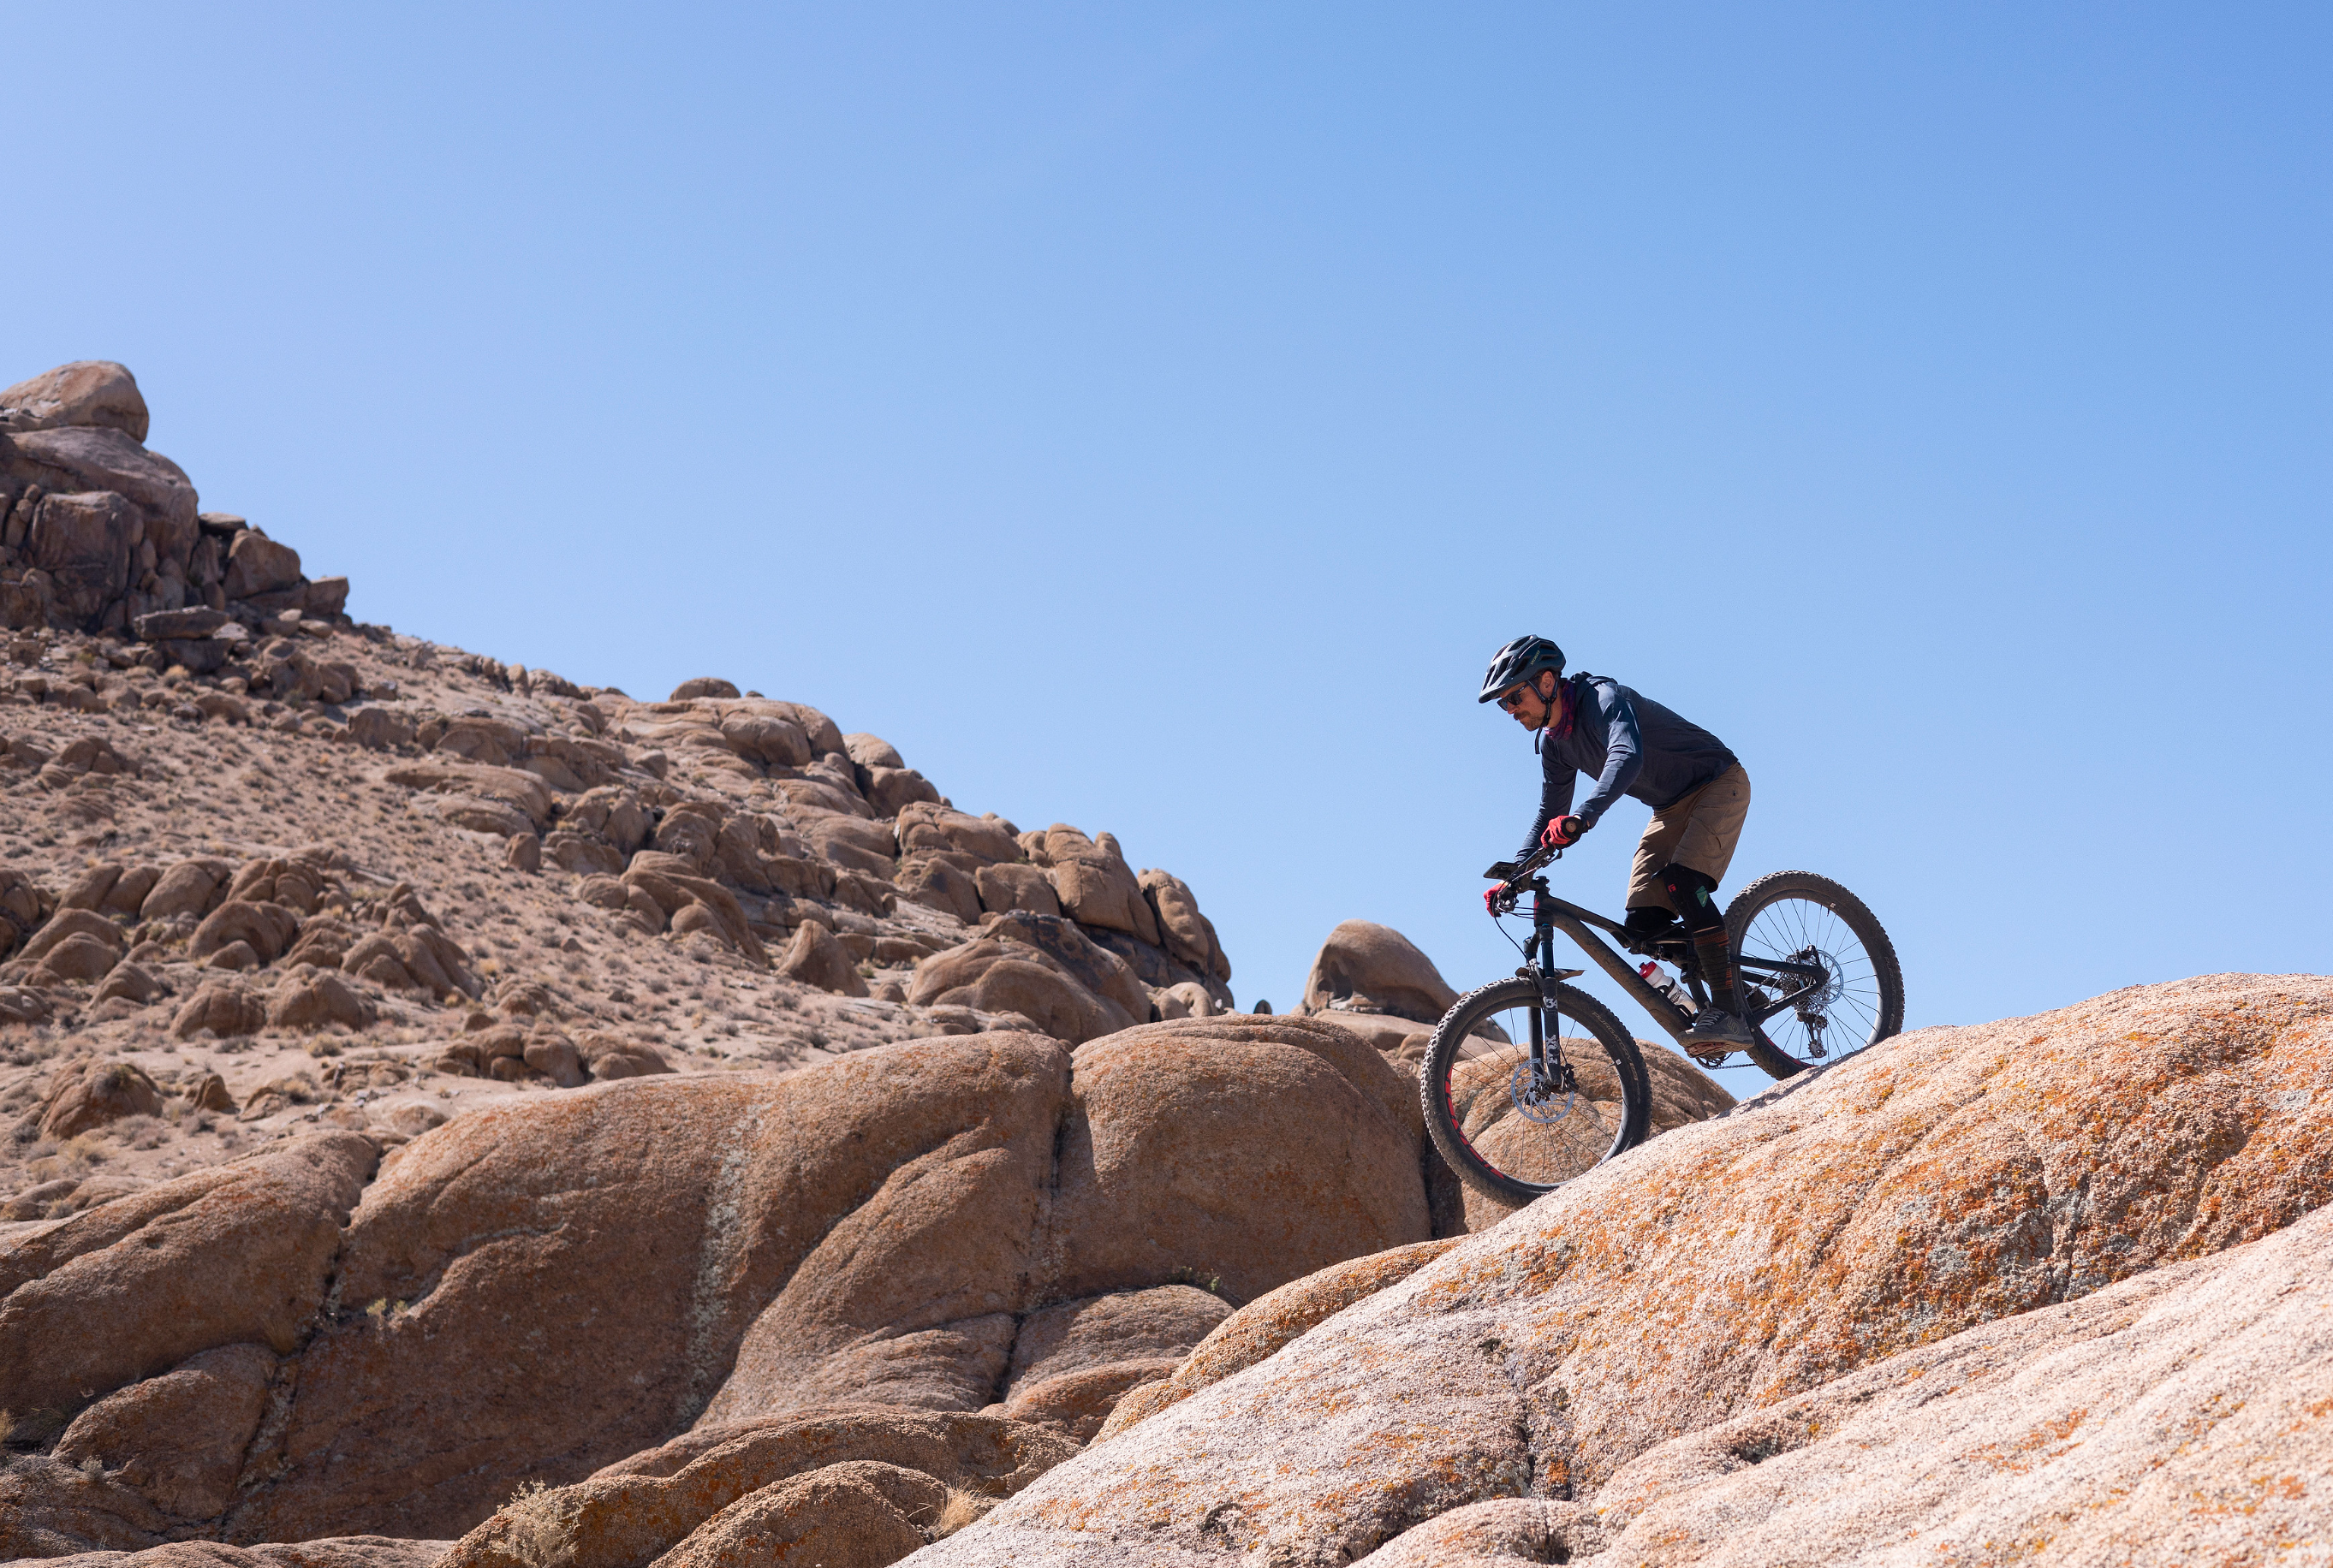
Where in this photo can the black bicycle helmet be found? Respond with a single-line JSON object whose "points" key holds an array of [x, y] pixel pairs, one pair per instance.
{"points": [[1519, 661]]}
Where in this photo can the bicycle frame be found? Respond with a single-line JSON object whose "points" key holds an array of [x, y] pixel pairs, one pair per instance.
{"points": [[1551, 914]]}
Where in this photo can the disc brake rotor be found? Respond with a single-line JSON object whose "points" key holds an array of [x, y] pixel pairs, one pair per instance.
{"points": [[1538, 1099], [1821, 996], [1813, 1007]]}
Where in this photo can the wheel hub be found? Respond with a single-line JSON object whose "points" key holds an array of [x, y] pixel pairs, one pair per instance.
{"points": [[1543, 1099], [1813, 1007], [1820, 998]]}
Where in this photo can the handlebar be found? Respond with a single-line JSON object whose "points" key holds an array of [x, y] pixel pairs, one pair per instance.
{"points": [[1512, 874], [1543, 855]]}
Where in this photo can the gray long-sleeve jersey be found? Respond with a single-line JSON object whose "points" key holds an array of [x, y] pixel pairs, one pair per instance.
{"points": [[1630, 745]]}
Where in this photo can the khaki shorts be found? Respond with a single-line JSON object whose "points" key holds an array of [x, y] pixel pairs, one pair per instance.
{"points": [[1700, 831]]}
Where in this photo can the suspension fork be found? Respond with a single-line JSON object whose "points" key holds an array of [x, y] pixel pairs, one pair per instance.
{"points": [[1541, 955], [1539, 960], [1549, 1069]]}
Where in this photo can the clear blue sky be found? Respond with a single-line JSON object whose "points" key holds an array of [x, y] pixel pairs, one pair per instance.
{"points": [[1152, 417]]}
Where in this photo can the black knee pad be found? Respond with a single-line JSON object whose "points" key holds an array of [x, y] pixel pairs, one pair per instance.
{"points": [[1692, 893]]}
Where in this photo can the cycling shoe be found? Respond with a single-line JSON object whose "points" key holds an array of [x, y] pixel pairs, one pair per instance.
{"points": [[1716, 1026]]}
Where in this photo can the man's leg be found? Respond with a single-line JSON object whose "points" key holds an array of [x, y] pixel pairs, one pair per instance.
{"points": [[1714, 814], [1704, 851], [1647, 924], [1650, 913], [1694, 895]]}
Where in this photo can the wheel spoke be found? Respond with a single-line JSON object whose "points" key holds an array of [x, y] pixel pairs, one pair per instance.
{"points": [[1855, 1003], [1523, 1129]]}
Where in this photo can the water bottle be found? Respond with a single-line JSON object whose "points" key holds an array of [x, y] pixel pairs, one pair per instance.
{"points": [[1660, 980]]}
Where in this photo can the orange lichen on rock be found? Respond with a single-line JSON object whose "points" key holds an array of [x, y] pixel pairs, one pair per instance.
{"points": [[1944, 1180]]}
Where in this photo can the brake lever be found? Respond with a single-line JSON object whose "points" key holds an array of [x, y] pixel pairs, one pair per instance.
{"points": [[1513, 888]]}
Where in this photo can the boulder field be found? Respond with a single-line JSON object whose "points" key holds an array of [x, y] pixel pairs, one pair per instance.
{"points": [[2053, 1288], [266, 869], [319, 1342], [458, 1116]]}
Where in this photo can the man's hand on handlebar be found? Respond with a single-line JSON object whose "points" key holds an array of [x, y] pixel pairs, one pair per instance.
{"points": [[1563, 833], [1491, 896]]}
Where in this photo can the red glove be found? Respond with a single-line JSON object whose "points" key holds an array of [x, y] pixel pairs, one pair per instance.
{"points": [[1563, 833], [1491, 899]]}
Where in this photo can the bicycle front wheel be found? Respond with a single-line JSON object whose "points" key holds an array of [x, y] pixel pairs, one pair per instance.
{"points": [[1820, 977], [1513, 1128]]}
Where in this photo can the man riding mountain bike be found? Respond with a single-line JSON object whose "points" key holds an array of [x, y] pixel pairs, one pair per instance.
{"points": [[1631, 745]]}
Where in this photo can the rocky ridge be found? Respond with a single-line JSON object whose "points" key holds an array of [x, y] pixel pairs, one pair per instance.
{"points": [[272, 866], [2049, 1289]]}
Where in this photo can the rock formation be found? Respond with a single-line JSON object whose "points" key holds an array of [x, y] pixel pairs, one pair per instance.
{"points": [[459, 1116], [101, 535], [281, 893], [1908, 1237], [991, 1223]]}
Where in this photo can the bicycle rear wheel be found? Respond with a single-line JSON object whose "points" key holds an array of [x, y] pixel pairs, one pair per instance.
{"points": [[1797, 917], [1512, 1133]]}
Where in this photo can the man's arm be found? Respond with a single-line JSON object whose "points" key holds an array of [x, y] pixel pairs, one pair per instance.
{"points": [[1557, 778], [1624, 751]]}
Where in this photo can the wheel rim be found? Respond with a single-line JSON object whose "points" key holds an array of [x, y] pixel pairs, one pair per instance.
{"points": [[1524, 1128], [1843, 1014]]}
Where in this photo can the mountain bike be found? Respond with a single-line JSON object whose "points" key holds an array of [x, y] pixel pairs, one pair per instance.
{"points": [[1529, 1081]]}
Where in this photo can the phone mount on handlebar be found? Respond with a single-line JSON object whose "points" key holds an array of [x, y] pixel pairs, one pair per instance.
{"points": [[1514, 871]]}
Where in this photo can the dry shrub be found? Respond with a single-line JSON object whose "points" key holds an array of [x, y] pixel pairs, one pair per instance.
{"points": [[142, 1132], [961, 1509]]}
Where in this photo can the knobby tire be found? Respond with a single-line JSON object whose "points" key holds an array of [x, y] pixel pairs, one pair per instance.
{"points": [[1883, 1015], [1447, 1110]]}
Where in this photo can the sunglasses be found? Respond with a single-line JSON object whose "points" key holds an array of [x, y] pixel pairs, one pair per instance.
{"points": [[1514, 700]]}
